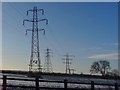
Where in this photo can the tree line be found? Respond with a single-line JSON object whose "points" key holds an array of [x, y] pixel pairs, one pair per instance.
{"points": [[103, 67]]}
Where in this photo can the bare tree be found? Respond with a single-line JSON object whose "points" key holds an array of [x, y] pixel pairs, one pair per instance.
{"points": [[101, 67]]}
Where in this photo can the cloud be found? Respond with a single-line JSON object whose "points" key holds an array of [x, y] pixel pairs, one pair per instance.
{"points": [[91, 48], [116, 44], [110, 44], [105, 56]]}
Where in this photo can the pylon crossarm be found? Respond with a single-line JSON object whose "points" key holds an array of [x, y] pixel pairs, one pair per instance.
{"points": [[29, 11], [28, 30], [63, 59], [27, 21], [43, 20], [71, 55], [41, 11], [42, 30]]}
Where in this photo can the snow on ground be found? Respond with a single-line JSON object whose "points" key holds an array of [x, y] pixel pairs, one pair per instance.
{"points": [[61, 78], [84, 80], [80, 79]]}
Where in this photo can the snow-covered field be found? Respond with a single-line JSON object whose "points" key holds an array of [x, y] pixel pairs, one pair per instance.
{"points": [[61, 78]]}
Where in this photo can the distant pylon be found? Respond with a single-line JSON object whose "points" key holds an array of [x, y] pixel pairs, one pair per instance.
{"points": [[48, 64], [35, 62], [72, 71], [67, 62]]}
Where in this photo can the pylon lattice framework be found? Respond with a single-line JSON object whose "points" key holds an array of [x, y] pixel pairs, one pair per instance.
{"points": [[48, 64], [35, 62], [67, 62]]}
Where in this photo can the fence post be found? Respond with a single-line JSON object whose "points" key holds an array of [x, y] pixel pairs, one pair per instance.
{"points": [[65, 84], [116, 86], [4, 82], [37, 83], [92, 85]]}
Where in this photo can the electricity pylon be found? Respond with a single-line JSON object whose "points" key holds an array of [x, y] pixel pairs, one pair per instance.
{"points": [[35, 62], [68, 59], [48, 64]]}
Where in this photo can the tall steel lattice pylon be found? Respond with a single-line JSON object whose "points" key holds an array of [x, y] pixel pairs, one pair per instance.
{"points": [[35, 62], [67, 62], [48, 64]]}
